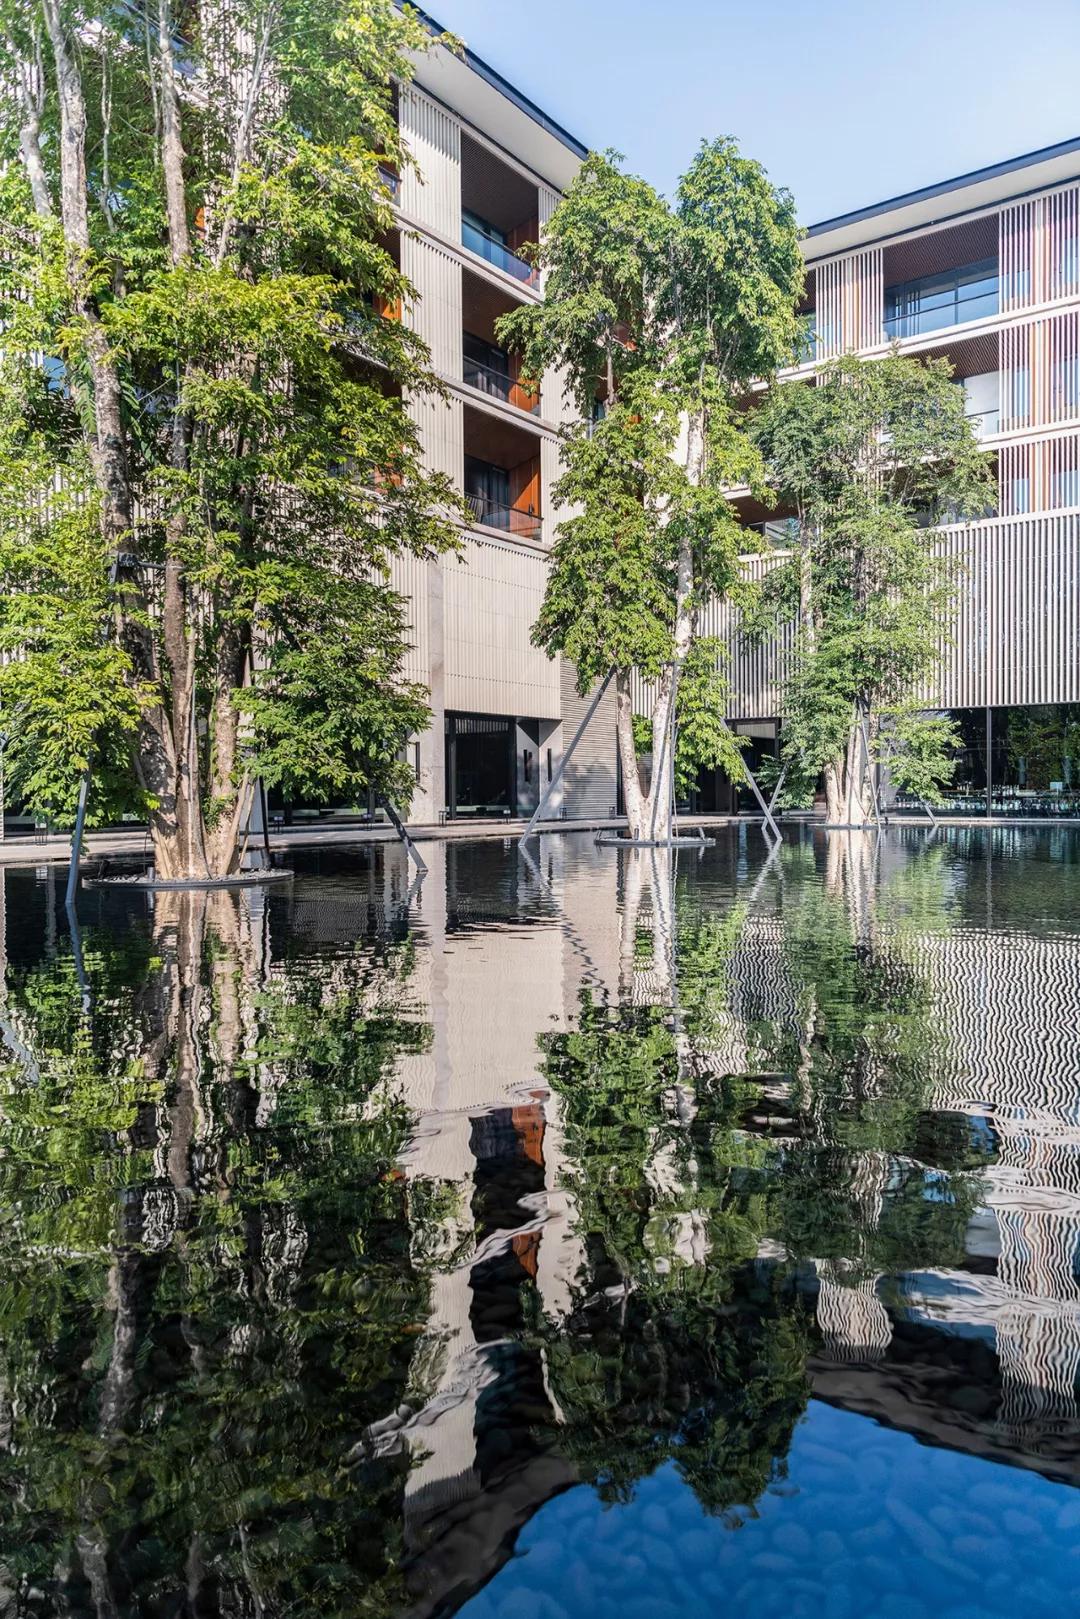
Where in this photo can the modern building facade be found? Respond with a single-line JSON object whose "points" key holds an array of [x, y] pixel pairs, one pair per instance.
{"points": [[490, 167], [984, 271]]}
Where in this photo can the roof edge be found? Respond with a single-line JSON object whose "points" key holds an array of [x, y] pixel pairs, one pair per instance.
{"points": [[943, 187], [491, 76]]}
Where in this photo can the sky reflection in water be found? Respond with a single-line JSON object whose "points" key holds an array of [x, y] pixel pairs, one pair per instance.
{"points": [[578, 1236]]}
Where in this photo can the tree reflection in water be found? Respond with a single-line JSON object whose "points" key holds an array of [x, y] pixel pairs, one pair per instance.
{"points": [[298, 1316], [210, 1289], [749, 1110]]}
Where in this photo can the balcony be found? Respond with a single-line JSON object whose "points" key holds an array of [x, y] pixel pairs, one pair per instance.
{"points": [[499, 383], [487, 366], [491, 513], [984, 422], [779, 533], [499, 211], [501, 474], [482, 239], [933, 303]]}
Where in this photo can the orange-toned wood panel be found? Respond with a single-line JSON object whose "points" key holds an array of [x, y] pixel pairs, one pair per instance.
{"points": [[525, 486]]}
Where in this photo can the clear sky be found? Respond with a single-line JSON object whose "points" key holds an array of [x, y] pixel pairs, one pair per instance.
{"points": [[846, 102]]}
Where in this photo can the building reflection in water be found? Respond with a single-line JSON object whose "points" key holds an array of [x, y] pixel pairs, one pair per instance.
{"points": [[853, 1035], [553, 1172]]}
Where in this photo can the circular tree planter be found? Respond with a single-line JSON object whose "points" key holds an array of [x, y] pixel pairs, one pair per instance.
{"points": [[606, 841], [240, 879]]}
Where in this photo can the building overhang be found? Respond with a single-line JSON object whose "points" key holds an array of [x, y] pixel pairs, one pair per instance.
{"points": [[480, 96], [950, 199]]}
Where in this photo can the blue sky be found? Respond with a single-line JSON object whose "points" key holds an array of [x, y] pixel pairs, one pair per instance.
{"points": [[845, 103]]}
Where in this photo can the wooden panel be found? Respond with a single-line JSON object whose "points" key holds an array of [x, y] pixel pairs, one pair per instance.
{"points": [[1040, 475], [932, 252], [523, 391], [1040, 371], [525, 486], [850, 303], [1016, 255], [1039, 249], [524, 235]]}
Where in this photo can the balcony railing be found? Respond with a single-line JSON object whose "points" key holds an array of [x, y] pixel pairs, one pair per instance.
{"points": [[500, 385], [492, 514], [779, 532], [984, 422], [489, 248], [933, 310]]}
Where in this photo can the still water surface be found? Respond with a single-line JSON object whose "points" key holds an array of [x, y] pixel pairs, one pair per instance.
{"points": [[568, 1238]]}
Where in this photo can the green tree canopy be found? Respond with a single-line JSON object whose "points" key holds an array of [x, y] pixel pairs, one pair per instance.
{"points": [[207, 465], [211, 1279], [869, 455], [658, 319]]}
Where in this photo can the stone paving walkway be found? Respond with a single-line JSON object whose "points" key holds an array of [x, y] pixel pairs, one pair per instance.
{"points": [[34, 850]]}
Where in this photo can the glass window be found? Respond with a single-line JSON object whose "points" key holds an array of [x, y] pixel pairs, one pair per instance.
{"points": [[1066, 387], [1065, 488], [487, 490], [486, 367], [934, 301], [489, 243]]}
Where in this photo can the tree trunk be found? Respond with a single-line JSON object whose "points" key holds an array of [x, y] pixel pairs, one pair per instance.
{"points": [[183, 844], [835, 791], [30, 91], [658, 804], [634, 799], [849, 795], [168, 743], [108, 441]]}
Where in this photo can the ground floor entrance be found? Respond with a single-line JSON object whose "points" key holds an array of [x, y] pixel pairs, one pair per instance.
{"points": [[714, 793], [479, 752], [496, 764]]}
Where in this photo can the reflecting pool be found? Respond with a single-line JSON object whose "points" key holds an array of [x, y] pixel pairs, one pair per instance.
{"points": [[579, 1234]]}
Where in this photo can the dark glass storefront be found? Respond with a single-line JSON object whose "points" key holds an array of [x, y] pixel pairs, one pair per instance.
{"points": [[480, 765], [714, 793], [1034, 767], [1021, 762]]}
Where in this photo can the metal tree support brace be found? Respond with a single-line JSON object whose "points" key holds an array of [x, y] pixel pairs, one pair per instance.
{"points": [[399, 827], [766, 808], [538, 812], [869, 768], [76, 840]]}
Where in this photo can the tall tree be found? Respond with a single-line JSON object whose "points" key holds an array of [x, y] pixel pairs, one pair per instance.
{"points": [[206, 463], [868, 457], [659, 318]]}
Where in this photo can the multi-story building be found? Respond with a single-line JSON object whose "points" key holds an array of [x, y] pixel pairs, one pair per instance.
{"points": [[490, 167], [983, 270]]}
